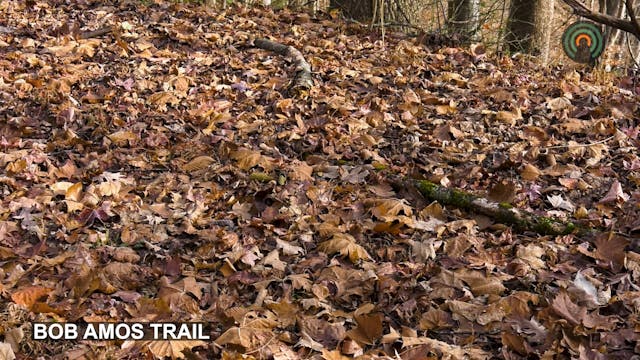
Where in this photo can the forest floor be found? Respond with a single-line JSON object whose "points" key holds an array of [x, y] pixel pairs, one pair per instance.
{"points": [[162, 170]]}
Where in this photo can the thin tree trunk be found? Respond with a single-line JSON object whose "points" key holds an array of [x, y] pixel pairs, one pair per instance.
{"points": [[545, 14], [398, 14], [463, 17], [521, 26]]}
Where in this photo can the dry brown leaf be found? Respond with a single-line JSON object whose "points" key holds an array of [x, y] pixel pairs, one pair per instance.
{"points": [[74, 192], [509, 117], [333, 355], [345, 245], [198, 163], [247, 158], [369, 329]]}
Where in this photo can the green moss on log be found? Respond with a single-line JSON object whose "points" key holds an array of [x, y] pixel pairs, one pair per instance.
{"points": [[500, 212]]}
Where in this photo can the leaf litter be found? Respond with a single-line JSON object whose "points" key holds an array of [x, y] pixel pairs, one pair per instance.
{"points": [[156, 168]]}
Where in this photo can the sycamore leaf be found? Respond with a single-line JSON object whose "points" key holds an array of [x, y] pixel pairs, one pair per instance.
{"points": [[345, 245], [389, 209]]}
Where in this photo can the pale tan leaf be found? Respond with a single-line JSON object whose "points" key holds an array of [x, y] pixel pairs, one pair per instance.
{"points": [[122, 137], [60, 187], [6, 352], [13, 336]]}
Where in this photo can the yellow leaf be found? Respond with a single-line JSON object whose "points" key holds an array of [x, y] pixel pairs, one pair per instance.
{"points": [[60, 187], [74, 192], [17, 166]]}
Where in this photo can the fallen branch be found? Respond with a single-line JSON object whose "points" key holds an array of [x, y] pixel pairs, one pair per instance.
{"points": [[502, 213], [302, 80]]}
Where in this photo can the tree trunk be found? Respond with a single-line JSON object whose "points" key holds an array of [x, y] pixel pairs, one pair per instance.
{"points": [[614, 8], [463, 17], [521, 26], [354, 9], [544, 28], [396, 14]]}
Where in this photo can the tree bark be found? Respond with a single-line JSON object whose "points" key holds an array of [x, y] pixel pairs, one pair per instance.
{"points": [[544, 14]]}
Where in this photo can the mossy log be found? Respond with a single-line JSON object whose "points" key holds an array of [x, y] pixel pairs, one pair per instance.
{"points": [[302, 80], [503, 213]]}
